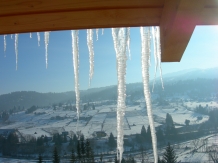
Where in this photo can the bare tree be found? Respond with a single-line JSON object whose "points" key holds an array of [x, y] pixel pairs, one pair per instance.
{"points": [[195, 143], [213, 153]]}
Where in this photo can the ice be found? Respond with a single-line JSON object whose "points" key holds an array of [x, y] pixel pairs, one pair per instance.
{"points": [[75, 52], [145, 41], [159, 53], [155, 54], [38, 38], [128, 41], [11, 36], [46, 35], [120, 39], [16, 48], [102, 31], [91, 53], [5, 43], [30, 35], [97, 34]]}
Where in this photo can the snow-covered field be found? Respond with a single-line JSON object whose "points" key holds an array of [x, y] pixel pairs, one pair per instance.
{"points": [[103, 118]]}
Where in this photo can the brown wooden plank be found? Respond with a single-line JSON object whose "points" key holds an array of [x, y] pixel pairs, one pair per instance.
{"points": [[167, 18], [14, 7], [80, 20], [209, 17], [176, 41]]}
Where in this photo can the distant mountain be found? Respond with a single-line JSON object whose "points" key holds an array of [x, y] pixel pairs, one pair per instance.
{"points": [[194, 81], [188, 74]]}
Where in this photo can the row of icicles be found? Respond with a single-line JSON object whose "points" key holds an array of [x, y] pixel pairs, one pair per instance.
{"points": [[121, 39]]}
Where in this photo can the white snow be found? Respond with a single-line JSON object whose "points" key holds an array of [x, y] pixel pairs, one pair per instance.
{"points": [[145, 41]]}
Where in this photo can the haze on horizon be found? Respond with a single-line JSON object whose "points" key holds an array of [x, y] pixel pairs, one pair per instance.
{"points": [[32, 75]]}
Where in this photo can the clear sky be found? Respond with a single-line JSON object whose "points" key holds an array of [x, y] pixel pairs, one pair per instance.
{"points": [[33, 76]]}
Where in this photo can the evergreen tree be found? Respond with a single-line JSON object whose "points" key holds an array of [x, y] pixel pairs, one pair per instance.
{"points": [[123, 160], [111, 141], [83, 149], [169, 120], [115, 159], [56, 158], [160, 136], [75, 140], [40, 159], [92, 156], [88, 151], [79, 156], [143, 131], [169, 155], [149, 134], [73, 157]]}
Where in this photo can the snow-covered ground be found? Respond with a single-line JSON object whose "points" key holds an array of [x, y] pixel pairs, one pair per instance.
{"points": [[103, 118]]}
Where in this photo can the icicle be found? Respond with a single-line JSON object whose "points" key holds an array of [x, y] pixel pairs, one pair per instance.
{"points": [[102, 31], [11, 36], [159, 53], [128, 42], [38, 38], [155, 54], [120, 39], [91, 53], [145, 41], [5, 43], [30, 35], [16, 48], [97, 34], [75, 52], [46, 35]]}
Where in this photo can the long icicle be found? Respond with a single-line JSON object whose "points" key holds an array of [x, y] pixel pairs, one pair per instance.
{"points": [[5, 43], [145, 41], [75, 52], [46, 35], [16, 48], [11, 36], [128, 42], [91, 53], [159, 53], [30, 35], [154, 38], [120, 45], [38, 38], [102, 31]]}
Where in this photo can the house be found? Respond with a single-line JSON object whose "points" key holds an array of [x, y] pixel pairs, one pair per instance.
{"points": [[99, 134]]}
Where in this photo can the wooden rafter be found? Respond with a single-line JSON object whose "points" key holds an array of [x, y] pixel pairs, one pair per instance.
{"points": [[177, 18]]}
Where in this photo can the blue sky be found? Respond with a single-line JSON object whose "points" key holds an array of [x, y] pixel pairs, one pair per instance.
{"points": [[33, 76]]}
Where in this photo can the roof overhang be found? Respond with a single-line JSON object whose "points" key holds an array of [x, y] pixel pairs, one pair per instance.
{"points": [[176, 18]]}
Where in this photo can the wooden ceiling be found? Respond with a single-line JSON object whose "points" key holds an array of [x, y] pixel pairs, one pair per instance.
{"points": [[176, 18]]}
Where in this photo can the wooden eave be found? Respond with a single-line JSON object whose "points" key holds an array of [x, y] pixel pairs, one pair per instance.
{"points": [[176, 18]]}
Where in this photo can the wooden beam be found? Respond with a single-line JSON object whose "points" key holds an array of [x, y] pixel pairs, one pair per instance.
{"points": [[80, 20], [177, 35], [22, 7], [20, 16]]}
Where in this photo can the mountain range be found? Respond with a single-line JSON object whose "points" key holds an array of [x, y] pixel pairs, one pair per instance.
{"points": [[174, 82]]}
